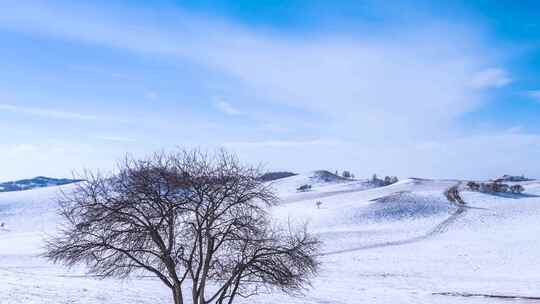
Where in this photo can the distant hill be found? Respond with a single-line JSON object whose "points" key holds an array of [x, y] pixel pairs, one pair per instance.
{"points": [[513, 178], [327, 176], [36, 182], [270, 176]]}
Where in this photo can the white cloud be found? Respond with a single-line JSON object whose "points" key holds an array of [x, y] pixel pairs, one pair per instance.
{"points": [[282, 143], [227, 108], [59, 158], [385, 94], [47, 113], [417, 80], [479, 156], [49, 159], [121, 139], [490, 78]]}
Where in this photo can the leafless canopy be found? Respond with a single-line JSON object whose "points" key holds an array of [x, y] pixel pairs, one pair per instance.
{"points": [[453, 195], [196, 221]]}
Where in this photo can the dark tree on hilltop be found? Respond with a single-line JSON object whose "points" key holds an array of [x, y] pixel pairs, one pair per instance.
{"points": [[347, 174], [197, 222], [304, 188]]}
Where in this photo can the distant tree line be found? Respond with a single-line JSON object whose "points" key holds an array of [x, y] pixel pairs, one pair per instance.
{"points": [[345, 174], [513, 178], [387, 180], [496, 186]]}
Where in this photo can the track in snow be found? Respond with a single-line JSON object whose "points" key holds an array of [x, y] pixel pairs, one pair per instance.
{"points": [[483, 295], [439, 229]]}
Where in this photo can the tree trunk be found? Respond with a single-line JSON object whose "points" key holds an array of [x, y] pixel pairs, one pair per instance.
{"points": [[177, 294]]}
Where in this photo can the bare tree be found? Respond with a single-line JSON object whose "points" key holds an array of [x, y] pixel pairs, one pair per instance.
{"points": [[198, 222], [518, 189], [347, 174], [389, 180], [473, 186], [453, 195]]}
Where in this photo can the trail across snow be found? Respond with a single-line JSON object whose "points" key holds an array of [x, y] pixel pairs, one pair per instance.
{"points": [[439, 229], [402, 243]]}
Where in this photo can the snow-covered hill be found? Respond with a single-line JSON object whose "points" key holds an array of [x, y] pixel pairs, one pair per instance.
{"points": [[402, 243], [36, 182]]}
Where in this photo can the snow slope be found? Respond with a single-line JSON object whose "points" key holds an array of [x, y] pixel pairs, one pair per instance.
{"points": [[403, 243], [36, 182]]}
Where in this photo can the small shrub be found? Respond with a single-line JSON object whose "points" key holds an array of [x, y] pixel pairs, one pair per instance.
{"points": [[518, 189], [494, 187], [389, 180], [304, 188], [473, 186], [452, 194]]}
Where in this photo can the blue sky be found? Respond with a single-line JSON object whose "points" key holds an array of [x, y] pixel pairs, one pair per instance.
{"points": [[409, 88]]}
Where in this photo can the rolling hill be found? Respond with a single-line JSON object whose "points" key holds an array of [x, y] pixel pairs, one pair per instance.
{"points": [[402, 243], [36, 182]]}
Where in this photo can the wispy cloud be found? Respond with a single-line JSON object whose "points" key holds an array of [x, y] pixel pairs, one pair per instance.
{"points": [[121, 139], [283, 143], [490, 78], [372, 88], [47, 113], [534, 94], [58, 159], [227, 108], [420, 82], [88, 69], [509, 152]]}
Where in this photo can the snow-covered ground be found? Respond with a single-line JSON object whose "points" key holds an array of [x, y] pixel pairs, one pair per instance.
{"points": [[402, 243]]}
